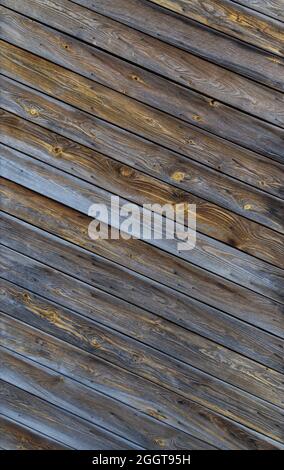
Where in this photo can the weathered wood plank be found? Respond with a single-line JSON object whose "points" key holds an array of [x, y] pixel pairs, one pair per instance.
{"points": [[258, 415], [230, 18], [153, 90], [143, 50], [272, 8], [208, 43], [152, 263], [143, 395], [56, 423], [150, 329], [96, 168], [129, 114], [93, 406], [218, 224], [80, 195], [108, 173], [15, 436], [248, 271]]}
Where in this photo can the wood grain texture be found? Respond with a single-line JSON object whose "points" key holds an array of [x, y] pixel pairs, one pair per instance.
{"points": [[212, 224], [248, 271], [72, 226], [143, 50], [45, 418], [257, 309], [149, 329], [231, 18], [272, 8], [146, 396], [127, 113], [130, 343], [93, 406], [259, 416], [15, 436], [192, 36], [145, 86], [251, 168]]}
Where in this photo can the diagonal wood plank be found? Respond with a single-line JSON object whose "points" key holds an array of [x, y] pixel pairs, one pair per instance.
{"points": [[116, 108], [91, 405], [145, 327], [152, 263], [155, 401], [79, 195], [272, 8], [217, 223], [15, 436], [230, 18], [163, 59], [142, 85], [251, 411], [163, 23], [45, 418]]}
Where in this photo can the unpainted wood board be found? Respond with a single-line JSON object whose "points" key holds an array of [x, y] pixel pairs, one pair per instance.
{"points": [[139, 84], [148, 52], [230, 18], [93, 406], [256, 309], [246, 409], [149, 398], [15, 436], [145, 327], [192, 36], [56, 423], [135, 185], [272, 8], [129, 114], [208, 253], [154, 264], [28, 103]]}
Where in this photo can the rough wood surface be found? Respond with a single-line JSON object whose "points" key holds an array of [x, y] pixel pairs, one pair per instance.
{"points": [[132, 343], [272, 8], [155, 55], [11, 335], [72, 226], [231, 18], [15, 436]]}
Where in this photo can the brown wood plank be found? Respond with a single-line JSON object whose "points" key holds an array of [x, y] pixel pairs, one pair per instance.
{"points": [[248, 271], [272, 8], [230, 18], [143, 395], [15, 436], [148, 52], [152, 263], [183, 32], [108, 173], [130, 114], [218, 224], [93, 406], [52, 421], [145, 327], [153, 90], [79, 195], [174, 376]]}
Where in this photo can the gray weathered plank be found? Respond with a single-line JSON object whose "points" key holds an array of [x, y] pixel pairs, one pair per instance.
{"points": [[56, 423], [149, 398], [230, 18], [249, 410], [93, 406], [166, 60], [15, 436], [152, 263]]}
